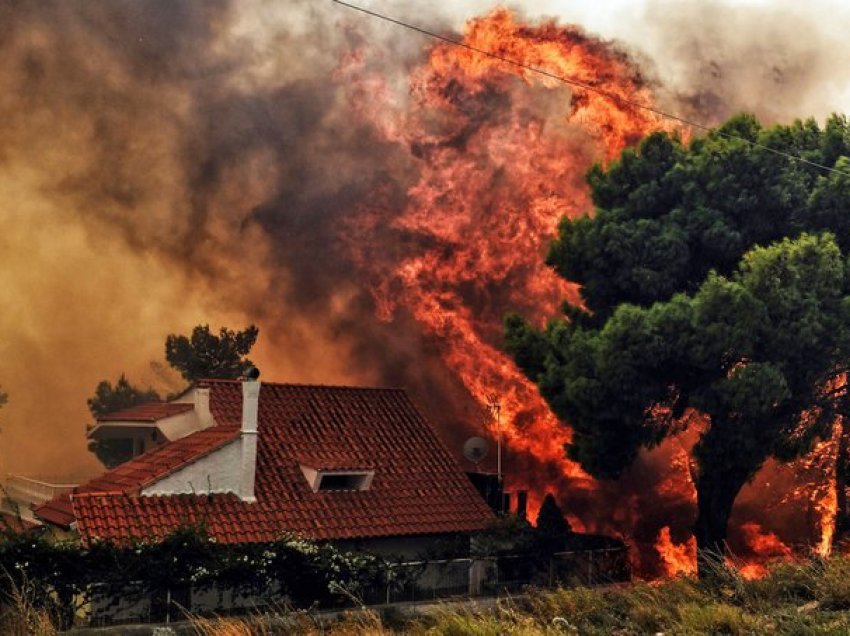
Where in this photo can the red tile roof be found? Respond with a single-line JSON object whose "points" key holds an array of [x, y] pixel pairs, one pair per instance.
{"points": [[418, 488], [150, 412], [137, 473]]}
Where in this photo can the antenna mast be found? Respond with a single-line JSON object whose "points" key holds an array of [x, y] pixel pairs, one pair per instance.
{"points": [[495, 407]]}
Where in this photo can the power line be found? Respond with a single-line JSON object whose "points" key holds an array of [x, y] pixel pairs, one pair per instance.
{"points": [[588, 87]]}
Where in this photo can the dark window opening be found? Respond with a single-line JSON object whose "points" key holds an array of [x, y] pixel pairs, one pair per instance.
{"points": [[351, 481]]}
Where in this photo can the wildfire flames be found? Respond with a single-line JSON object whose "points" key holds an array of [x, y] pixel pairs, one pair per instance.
{"points": [[676, 558], [820, 489], [503, 165], [501, 155]]}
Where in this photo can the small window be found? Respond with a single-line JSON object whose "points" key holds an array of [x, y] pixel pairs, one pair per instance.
{"points": [[329, 480], [343, 481]]}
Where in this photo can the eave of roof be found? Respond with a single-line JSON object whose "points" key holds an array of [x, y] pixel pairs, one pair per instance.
{"points": [[123, 518]]}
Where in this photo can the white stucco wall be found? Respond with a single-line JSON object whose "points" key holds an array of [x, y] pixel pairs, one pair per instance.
{"points": [[217, 472], [179, 425]]}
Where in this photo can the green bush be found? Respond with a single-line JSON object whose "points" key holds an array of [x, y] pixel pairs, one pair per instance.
{"points": [[59, 575]]}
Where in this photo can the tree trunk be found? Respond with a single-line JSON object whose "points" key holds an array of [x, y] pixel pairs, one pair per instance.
{"points": [[842, 475], [715, 495]]}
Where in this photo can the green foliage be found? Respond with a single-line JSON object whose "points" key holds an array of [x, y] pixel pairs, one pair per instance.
{"points": [[108, 398], [714, 278], [667, 214], [111, 452], [205, 355], [42, 580], [506, 534], [60, 575]]}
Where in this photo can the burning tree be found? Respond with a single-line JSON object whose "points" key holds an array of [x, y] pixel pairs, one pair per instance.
{"points": [[687, 321]]}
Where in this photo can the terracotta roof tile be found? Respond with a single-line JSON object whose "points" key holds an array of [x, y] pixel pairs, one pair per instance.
{"points": [[418, 488], [135, 474]]}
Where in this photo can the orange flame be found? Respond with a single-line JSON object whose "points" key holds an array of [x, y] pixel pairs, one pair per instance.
{"points": [[676, 558], [500, 156], [763, 543], [503, 155], [820, 464], [764, 547]]}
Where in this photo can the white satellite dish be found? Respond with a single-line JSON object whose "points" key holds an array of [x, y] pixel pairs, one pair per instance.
{"points": [[475, 449]]}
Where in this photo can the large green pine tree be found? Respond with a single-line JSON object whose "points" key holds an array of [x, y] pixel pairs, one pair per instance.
{"points": [[715, 280], [205, 355]]}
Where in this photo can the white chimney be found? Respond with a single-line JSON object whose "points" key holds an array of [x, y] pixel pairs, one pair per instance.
{"points": [[202, 406], [250, 406]]}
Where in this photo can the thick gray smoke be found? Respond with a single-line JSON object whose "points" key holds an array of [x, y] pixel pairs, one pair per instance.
{"points": [[781, 60]]}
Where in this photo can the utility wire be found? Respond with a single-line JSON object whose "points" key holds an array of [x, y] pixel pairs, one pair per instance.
{"points": [[588, 87]]}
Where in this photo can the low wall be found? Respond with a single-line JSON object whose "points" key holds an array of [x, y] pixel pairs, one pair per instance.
{"points": [[407, 582]]}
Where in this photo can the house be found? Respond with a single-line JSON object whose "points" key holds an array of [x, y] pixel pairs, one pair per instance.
{"points": [[357, 466], [135, 430]]}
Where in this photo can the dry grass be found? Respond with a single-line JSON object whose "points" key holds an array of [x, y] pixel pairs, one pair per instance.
{"points": [[363, 622], [19, 615]]}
